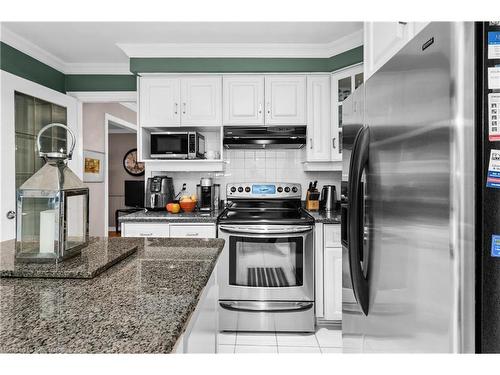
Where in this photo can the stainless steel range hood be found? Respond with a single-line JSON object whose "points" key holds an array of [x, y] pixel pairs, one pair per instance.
{"points": [[260, 137]]}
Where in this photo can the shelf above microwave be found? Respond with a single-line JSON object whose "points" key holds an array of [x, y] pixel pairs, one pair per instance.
{"points": [[191, 165]]}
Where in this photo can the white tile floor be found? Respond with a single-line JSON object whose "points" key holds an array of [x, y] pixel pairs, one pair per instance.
{"points": [[325, 340]]}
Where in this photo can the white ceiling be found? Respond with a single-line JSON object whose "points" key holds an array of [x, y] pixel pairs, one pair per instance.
{"points": [[79, 43]]}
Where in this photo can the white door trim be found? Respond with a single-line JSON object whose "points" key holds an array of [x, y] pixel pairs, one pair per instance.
{"points": [[120, 97], [104, 96], [9, 84], [125, 124]]}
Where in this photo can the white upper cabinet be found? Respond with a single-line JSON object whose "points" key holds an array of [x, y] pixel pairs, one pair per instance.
{"points": [[180, 101], [243, 100], [343, 84], [319, 141], [159, 101], [201, 101], [285, 99], [382, 40]]}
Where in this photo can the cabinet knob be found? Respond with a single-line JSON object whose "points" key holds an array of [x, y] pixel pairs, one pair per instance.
{"points": [[11, 215]]}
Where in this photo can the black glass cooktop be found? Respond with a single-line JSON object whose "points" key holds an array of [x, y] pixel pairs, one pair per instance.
{"points": [[265, 213]]}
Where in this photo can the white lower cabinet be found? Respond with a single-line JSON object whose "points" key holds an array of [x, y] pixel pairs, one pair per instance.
{"points": [[328, 255], [333, 283], [145, 230], [188, 230], [200, 335], [193, 230]]}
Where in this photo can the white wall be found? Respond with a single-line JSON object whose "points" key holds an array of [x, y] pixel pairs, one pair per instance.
{"points": [[93, 139], [259, 166]]}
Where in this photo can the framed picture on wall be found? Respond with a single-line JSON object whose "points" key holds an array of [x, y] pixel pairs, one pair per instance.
{"points": [[93, 166]]}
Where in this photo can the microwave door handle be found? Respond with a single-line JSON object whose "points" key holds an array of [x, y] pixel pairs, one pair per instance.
{"points": [[358, 163]]}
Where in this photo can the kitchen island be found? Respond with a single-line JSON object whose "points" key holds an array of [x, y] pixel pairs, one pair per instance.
{"points": [[147, 303]]}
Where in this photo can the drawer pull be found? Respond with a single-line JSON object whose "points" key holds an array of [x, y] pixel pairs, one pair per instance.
{"points": [[192, 234], [145, 234]]}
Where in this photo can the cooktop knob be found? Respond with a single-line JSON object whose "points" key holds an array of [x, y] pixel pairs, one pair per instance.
{"points": [[247, 189], [287, 189], [280, 189], [294, 189], [233, 189], [240, 189]]}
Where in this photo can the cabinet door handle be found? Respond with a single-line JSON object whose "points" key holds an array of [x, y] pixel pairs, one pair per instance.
{"points": [[260, 108], [268, 108], [145, 234], [184, 108], [333, 143], [176, 105], [311, 142]]}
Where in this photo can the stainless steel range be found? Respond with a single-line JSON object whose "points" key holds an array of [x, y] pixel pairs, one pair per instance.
{"points": [[266, 272]]}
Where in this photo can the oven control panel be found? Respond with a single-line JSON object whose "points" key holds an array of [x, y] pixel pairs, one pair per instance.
{"points": [[278, 190]]}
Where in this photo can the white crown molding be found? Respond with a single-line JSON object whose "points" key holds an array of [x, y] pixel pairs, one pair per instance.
{"points": [[104, 96], [31, 49], [200, 50], [243, 50], [345, 44]]}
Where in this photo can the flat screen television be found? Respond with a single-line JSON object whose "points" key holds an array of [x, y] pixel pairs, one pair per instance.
{"points": [[134, 193]]}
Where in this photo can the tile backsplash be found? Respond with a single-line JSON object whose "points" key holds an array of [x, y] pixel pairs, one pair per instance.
{"points": [[258, 166]]}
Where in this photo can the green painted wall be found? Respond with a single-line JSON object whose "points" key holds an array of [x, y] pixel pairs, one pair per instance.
{"points": [[350, 57], [245, 65], [22, 65], [100, 82]]}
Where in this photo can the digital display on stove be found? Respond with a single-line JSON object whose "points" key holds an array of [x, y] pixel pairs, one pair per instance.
{"points": [[263, 189]]}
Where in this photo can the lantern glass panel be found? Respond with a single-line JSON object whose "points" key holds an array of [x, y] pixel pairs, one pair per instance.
{"points": [[39, 229], [76, 220]]}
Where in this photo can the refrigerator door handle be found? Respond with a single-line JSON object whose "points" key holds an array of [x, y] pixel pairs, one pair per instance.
{"points": [[358, 163]]}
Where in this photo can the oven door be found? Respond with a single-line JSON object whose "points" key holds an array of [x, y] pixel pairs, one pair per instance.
{"points": [[169, 145], [267, 263]]}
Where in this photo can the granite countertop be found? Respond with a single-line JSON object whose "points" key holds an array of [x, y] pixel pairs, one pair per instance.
{"points": [[94, 259], [325, 217], [140, 305], [164, 216]]}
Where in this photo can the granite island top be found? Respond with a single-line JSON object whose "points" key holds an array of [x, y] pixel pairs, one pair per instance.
{"points": [[95, 258], [140, 305], [164, 216]]}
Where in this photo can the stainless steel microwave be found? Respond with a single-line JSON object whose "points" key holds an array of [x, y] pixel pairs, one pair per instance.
{"points": [[177, 145]]}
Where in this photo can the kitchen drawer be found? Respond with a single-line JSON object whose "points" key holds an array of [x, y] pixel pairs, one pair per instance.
{"points": [[145, 230], [192, 230], [331, 235]]}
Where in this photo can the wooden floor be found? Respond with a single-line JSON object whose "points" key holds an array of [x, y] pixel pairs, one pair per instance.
{"points": [[113, 234]]}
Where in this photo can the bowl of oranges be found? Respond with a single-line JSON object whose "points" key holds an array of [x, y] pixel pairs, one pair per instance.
{"points": [[188, 203]]}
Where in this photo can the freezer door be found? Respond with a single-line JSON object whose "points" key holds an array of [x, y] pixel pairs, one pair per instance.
{"points": [[408, 259]]}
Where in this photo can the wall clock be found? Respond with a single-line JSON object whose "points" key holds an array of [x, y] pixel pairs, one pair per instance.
{"points": [[131, 165]]}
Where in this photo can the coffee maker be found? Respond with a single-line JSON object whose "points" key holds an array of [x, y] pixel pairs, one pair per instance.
{"points": [[159, 192], [206, 192]]}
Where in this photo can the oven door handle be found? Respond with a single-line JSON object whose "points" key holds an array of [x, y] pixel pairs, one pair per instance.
{"points": [[266, 229], [269, 307]]}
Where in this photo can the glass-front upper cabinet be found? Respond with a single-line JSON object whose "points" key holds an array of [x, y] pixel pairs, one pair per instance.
{"points": [[343, 83]]}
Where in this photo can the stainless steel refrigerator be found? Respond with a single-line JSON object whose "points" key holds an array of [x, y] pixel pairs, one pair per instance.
{"points": [[418, 212]]}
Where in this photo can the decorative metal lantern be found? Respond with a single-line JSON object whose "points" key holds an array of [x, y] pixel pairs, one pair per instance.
{"points": [[52, 209]]}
